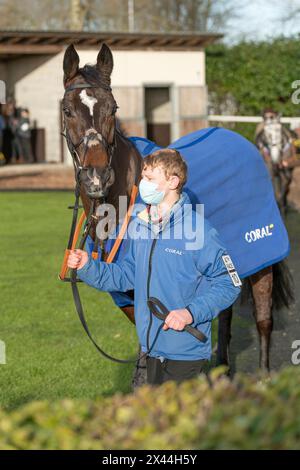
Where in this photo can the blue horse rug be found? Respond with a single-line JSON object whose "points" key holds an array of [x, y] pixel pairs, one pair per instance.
{"points": [[227, 174]]}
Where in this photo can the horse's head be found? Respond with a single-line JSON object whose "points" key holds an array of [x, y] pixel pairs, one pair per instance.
{"points": [[273, 134], [89, 118]]}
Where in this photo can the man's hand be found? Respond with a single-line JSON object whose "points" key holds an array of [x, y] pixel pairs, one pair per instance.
{"points": [[285, 164], [290, 162], [77, 259], [178, 319]]}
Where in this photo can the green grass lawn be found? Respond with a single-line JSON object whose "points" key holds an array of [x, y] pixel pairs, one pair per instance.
{"points": [[49, 356]]}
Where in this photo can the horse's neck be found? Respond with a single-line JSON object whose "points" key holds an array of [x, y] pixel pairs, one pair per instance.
{"points": [[274, 134], [127, 165], [131, 159], [278, 141]]}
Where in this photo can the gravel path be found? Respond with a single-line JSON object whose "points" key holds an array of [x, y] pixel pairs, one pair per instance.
{"points": [[37, 176], [244, 350]]}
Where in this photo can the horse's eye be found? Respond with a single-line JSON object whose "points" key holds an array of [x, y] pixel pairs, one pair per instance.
{"points": [[67, 112]]}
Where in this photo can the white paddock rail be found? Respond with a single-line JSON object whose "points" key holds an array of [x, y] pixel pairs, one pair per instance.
{"points": [[295, 121]]}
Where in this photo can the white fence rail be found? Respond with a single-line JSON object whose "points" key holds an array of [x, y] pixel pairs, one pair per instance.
{"points": [[295, 121]]}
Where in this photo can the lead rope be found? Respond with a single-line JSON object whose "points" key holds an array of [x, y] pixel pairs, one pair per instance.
{"points": [[73, 272], [74, 234], [75, 230]]}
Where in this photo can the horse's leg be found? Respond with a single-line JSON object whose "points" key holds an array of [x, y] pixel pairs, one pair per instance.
{"points": [[277, 185], [129, 312], [281, 192], [224, 336], [139, 377], [288, 175], [262, 284]]}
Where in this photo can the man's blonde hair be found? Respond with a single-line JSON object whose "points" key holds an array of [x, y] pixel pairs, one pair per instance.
{"points": [[171, 161]]}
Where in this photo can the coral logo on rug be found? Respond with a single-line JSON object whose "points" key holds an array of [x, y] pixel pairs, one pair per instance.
{"points": [[259, 233]]}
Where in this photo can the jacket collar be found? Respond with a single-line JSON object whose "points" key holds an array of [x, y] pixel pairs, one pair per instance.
{"points": [[174, 216]]}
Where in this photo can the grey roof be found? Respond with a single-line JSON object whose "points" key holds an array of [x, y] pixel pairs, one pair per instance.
{"points": [[51, 42]]}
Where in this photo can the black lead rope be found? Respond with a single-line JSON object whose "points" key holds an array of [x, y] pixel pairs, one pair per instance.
{"points": [[77, 300], [157, 308], [80, 312], [73, 279], [153, 303]]}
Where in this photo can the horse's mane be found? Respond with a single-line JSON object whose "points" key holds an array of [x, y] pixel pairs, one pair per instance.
{"points": [[90, 74], [121, 129]]}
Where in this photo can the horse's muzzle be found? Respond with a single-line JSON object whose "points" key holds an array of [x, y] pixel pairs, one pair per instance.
{"points": [[97, 181]]}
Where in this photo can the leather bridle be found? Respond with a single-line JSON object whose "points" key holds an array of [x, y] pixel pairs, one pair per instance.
{"points": [[109, 147]]}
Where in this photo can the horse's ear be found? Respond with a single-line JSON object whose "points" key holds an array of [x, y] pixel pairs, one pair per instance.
{"points": [[105, 63], [71, 63]]}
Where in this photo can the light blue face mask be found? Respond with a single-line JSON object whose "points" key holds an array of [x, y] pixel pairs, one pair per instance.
{"points": [[149, 193]]}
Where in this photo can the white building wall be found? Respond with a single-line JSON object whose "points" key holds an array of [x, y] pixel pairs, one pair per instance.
{"points": [[133, 68]]}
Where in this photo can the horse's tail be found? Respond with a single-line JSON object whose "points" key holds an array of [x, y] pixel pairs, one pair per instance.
{"points": [[283, 287], [283, 294]]}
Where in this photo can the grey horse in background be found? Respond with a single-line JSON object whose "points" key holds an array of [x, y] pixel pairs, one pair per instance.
{"points": [[274, 142]]}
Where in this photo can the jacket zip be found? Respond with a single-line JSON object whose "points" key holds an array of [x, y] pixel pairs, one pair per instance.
{"points": [[150, 263], [148, 294], [150, 267]]}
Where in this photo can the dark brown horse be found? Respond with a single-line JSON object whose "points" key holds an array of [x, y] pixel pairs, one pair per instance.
{"points": [[111, 165], [94, 134]]}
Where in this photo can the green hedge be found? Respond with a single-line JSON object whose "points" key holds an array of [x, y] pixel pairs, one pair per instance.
{"points": [[251, 76], [255, 74], [206, 413]]}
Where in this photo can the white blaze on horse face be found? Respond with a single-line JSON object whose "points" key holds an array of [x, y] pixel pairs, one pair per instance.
{"points": [[89, 101]]}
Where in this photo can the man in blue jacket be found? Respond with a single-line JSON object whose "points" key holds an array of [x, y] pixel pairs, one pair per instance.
{"points": [[173, 254]]}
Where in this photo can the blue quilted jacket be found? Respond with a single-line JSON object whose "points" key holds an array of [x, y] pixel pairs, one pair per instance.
{"points": [[187, 271]]}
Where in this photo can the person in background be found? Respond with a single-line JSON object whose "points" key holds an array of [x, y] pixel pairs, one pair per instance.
{"points": [[2, 127], [292, 163], [23, 137], [12, 120]]}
